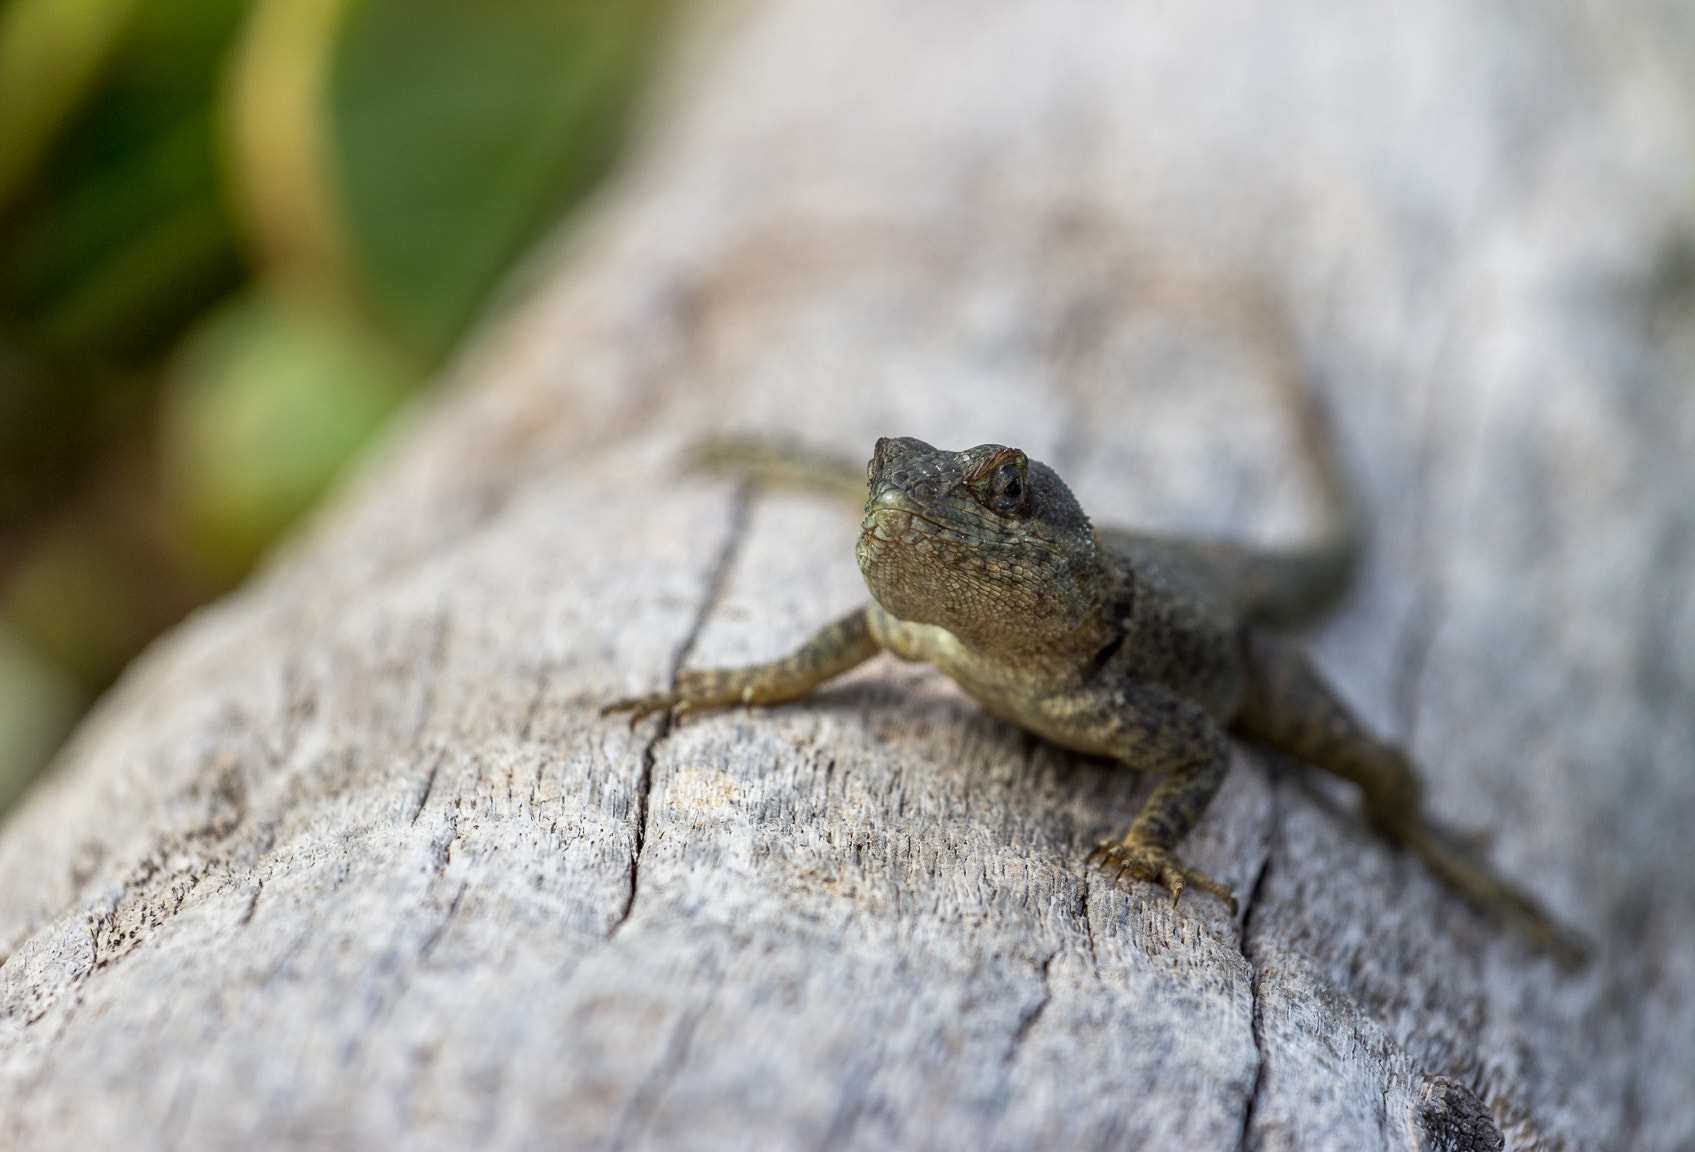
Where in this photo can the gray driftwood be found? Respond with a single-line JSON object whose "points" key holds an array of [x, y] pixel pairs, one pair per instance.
{"points": [[350, 861]]}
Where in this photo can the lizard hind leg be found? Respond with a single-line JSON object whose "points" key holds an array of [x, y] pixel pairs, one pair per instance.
{"points": [[1289, 706]]}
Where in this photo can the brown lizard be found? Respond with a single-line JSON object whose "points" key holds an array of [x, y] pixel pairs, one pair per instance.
{"points": [[1147, 649]]}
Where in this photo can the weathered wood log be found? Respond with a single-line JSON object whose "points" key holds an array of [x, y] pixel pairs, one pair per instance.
{"points": [[351, 861]]}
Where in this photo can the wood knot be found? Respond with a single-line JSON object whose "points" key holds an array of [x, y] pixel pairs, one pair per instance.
{"points": [[1450, 1118]]}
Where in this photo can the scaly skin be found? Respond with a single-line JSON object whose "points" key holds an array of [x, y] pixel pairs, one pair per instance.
{"points": [[1145, 649]]}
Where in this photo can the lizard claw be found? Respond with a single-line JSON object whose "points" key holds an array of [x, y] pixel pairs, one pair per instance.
{"points": [[693, 692], [1158, 866], [640, 707]]}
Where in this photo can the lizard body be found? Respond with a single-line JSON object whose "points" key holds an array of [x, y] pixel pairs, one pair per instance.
{"points": [[1147, 649]]}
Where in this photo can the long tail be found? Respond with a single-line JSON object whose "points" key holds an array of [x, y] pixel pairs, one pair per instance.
{"points": [[1294, 584], [782, 464], [1284, 585]]}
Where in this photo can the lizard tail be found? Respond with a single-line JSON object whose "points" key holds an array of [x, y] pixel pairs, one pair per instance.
{"points": [[1293, 584], [1282, 585], [781, 464]]}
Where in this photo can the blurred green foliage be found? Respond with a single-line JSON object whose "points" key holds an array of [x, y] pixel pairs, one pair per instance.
{"points": [[234, 234], [448, 118], [261, 405], [122, 235], [38, 702]]}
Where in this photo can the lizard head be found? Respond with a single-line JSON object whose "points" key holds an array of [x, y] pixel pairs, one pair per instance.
{"points": [[986, 543]]}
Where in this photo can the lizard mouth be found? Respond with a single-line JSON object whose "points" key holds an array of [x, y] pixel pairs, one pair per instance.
{"points": [[891, 513], [895, 522]]}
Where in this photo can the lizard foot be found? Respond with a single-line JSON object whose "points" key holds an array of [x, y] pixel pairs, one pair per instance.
{"points": [[640, 707], [1158, 866], [696, 690]]}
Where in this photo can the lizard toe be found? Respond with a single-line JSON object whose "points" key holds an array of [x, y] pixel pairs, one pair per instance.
{"points": [[1172, 877], [1159, 866], [641, 707]]}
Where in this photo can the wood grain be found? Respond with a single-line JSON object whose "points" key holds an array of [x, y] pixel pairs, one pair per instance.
{"points": [[351, 861]]}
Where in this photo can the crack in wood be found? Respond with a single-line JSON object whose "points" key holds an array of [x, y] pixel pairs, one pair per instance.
{"points": [[1028, 1019], [1088, 921], [442, 846], [640, 1105], [440, 930], [1256, 1023], [741, 512], [252, 905], [432, 669], [429, 786], [644, 789]]}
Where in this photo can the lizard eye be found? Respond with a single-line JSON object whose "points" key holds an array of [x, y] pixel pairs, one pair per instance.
{"points": [[1008, 491], [998, 477]]}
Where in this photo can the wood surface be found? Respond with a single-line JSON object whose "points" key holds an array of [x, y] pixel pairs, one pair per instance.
{"points": [[351, 861]]}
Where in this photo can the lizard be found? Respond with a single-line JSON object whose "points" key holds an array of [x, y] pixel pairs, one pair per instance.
{"points": [[1152, 650]]}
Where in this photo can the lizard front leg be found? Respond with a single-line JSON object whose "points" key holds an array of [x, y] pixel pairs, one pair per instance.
{"points": [[1146, 851], [834, 650], [1153, 730]]}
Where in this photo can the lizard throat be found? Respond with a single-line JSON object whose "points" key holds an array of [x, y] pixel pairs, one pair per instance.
{"points": [[987, 591]]}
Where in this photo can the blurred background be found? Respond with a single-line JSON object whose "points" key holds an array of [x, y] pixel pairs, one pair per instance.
{"points": [[234, 236]]}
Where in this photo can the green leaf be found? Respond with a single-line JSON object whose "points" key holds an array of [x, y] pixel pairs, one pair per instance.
{"points": [[73, 599], [125, 235], [462, 127], [262, 408], [51, 52], [38, 702]]}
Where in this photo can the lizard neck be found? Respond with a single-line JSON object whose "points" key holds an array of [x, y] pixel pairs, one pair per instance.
{"points": [[1060, 627]]}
